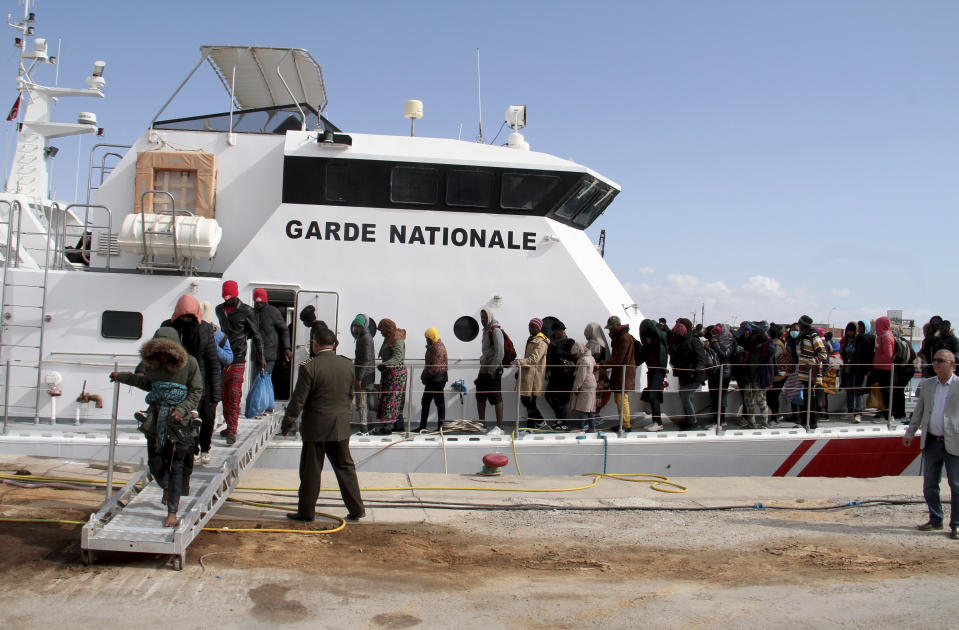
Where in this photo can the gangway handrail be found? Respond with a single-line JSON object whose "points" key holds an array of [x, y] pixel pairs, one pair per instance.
{"points": [[218, 481]]}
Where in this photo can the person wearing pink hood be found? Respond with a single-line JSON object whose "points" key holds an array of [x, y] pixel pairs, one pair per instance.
{"points": [[238, 322], [197, 338], [882, 359]]}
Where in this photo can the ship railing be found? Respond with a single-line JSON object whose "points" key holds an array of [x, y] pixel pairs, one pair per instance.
{"points": [[108, 249], [90, 361], [102, 170], [806, 403]]}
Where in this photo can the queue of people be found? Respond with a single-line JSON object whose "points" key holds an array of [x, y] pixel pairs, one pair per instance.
{"points": [[783, 373]]}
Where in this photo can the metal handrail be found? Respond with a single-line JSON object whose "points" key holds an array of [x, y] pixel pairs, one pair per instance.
{"points": [[289, 91], [86, 224], [172, 229], [102, 166], [6, 268]]}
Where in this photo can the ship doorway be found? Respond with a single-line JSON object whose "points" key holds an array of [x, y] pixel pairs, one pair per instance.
{"points": [[326, 305], [285, 301]]}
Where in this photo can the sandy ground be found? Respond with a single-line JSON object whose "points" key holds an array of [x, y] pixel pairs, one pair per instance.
{"points": [[554, 567]]}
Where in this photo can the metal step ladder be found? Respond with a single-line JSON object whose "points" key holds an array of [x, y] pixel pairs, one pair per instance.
{"points": [[25, 350], [131, 519]]}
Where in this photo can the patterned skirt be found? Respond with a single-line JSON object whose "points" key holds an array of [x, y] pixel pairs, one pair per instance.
{"points": [[392, 394]]}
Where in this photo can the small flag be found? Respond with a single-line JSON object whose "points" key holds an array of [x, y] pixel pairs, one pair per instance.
{"points": [[15, 110]]}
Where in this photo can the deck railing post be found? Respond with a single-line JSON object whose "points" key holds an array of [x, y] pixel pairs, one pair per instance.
{"points": [[809, 391], [719, 401], [113, 432], [892, 393], [409, 381], [623, 399], [519, 388]]}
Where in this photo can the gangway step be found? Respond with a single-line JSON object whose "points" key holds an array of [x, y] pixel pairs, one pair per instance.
{"points": [[131, 519]]}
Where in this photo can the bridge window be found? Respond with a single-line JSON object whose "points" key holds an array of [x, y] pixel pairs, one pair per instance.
{"points": [[338, 182], [526, 191], [413, 184], [468, 189]]}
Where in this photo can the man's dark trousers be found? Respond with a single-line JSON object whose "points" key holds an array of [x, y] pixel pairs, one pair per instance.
{"points": [[311, 465], [934, 457]]}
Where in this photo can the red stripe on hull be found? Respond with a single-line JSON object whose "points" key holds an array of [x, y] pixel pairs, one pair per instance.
{"points": [[862, 457], [787, 465]]}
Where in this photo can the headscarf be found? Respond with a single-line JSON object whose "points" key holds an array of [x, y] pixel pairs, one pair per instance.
{"points": [[207, 311], [578, 350], [680, 331], [537, 323], [359, 320], [432, 334], [187, 305], [595, 339], [390, 332]]}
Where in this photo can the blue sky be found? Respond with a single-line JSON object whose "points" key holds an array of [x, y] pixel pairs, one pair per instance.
{"points": [[776, 158]]}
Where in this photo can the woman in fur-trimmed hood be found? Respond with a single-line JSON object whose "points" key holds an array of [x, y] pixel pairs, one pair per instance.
{"points": [[166, 360], [169, 370]]}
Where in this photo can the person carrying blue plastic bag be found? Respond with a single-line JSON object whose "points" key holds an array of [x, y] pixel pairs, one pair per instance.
{"points": [[260, 394]]}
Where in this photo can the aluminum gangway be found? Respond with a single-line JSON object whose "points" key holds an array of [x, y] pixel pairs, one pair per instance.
{"points": [[131, 520]]}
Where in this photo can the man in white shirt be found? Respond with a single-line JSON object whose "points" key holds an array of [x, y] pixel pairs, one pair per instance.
{"points": [[937, 415]]}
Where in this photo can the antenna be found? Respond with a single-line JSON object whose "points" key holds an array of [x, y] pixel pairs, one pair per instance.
{"points": [[479, 96]]}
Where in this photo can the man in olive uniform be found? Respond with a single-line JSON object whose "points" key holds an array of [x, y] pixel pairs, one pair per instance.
{"points": [[324, 391]]}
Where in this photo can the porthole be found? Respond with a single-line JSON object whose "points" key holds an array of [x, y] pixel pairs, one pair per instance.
{"points": [[466, 328]]}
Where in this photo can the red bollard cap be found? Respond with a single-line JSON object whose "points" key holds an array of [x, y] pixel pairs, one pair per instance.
{"points": [[495, 460]]}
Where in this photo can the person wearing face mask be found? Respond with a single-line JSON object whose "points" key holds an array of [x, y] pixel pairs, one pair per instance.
{"points": [[275, 334], [238, 322], [792, 389]]}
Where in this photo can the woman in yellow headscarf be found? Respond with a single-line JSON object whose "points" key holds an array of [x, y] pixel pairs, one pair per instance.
{"points": [[434, 379]]}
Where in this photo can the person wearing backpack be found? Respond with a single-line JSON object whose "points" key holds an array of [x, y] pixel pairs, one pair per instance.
{"points": [[656, 359], [904, 369], [533, 372], [882, 360], [758, 377], [724, 345], [489, 381], [688, 358]]}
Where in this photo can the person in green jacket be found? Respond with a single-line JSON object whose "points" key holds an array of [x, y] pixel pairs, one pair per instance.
{"points": [[172, 378]]}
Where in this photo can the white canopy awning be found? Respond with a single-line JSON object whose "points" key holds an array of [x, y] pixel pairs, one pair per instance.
{"points": [[268, 77]]}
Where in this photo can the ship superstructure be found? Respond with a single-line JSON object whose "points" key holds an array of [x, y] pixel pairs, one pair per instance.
{"points": [[271, 194]]}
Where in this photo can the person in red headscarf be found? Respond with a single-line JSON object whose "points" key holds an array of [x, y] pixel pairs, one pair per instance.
{"points": [[273, 328], [238, 322]]}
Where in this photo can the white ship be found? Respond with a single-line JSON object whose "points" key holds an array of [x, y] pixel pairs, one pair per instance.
{"points": [[271, 194]]}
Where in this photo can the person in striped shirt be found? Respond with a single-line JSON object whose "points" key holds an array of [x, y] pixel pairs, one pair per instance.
{"points": [[812, 356]]}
